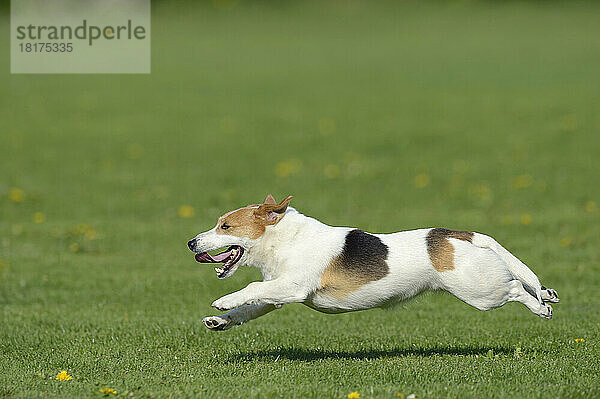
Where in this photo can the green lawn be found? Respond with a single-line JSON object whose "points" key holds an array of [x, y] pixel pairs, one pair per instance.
{"points": [[481, 116]]}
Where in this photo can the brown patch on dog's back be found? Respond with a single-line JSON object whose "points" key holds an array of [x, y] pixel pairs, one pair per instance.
{"points": [[363, 259], [440, 250]]}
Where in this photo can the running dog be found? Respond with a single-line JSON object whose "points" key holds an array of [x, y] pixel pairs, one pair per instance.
{"points": [[342, 269]]}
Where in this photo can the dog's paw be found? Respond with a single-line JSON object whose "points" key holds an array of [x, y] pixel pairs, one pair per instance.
{"points": [[216, 323], [225, 303], [546, 311], [550, 295]]}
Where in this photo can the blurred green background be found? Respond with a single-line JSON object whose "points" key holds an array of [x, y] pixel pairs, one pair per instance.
{"points": [[386, 116]]}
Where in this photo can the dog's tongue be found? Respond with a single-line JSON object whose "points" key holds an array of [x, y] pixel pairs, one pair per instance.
{"points": [[205, 257]]}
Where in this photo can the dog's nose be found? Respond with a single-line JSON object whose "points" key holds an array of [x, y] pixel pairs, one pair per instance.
{"points": [[192, 244]]}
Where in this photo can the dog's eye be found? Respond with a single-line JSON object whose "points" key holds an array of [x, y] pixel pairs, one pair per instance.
{"points": [[225, 226]]}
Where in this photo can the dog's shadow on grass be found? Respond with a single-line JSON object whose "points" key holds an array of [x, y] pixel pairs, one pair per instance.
{"points": [[309, 355]]}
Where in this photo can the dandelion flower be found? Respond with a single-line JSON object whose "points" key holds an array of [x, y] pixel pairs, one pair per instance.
{"points": [[526, 219], [108, 391], [422, 180], [326, 126], [566, 241], [286, 168], [74, 247], [568, 123], [400, 395], [354, 395], [63, 376], [331, 171], [481, 192], [591, 207], [16, 195], [90, 234], [135, 151], [578, 340], [39, 218], [185, 211], [522, 181]]}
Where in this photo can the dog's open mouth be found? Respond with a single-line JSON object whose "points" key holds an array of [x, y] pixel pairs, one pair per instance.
{"points": [[229, 258]]}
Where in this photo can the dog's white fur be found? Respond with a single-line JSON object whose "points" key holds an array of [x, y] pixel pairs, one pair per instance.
{"points": [[293, 254]]}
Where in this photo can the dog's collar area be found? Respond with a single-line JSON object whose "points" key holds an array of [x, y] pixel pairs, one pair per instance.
{"points": [[229, 257]]}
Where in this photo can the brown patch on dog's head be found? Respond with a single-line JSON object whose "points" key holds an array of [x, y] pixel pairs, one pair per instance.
{"points": [[440, 250], [251, 221], [272, 213], [363, 259], [269, 200]]}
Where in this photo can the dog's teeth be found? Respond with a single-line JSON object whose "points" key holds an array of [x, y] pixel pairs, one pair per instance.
{"points": [[218, 270], [234, 251]]}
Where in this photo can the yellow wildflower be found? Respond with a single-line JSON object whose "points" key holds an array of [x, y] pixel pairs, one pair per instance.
{"points": [[81, 228], [16, 195], [522, 181], [568, 123], [326, 126], [400, 395], [108, 391], [421, 180], [526, 219], [108, 164], [591, 207], [185, 211], [135, 151], [565, 241], [331, 171], [286, 168], [481, 192], [90, 234], [63, 376], [39, 217], [354, 395], [74, 247], [578, 340]]}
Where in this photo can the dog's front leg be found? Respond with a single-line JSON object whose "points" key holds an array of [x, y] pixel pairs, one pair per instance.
{"points": [[272, 292], [237, 316]]}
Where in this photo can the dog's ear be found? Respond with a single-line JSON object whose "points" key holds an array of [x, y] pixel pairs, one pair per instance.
{"points": [[272, 213], [270, 200]]}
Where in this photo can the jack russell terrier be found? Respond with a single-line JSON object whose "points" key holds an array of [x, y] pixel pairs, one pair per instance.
{"points": [[342, 269]]}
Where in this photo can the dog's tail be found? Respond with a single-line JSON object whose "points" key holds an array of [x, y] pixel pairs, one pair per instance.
{"points": [[518, 269]]}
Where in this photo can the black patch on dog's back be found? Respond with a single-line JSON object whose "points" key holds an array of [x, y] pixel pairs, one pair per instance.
{"points": [[362, 260], [364, 255]]}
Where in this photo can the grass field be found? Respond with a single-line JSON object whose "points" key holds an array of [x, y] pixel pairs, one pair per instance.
{"points": [[482, 116]]}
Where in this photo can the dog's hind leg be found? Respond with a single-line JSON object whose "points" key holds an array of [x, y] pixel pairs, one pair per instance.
{"points": [[482, 279], [499, 294], [237, 316]]}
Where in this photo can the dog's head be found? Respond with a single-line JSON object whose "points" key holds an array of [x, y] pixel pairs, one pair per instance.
{"points": [[239, 231]]}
